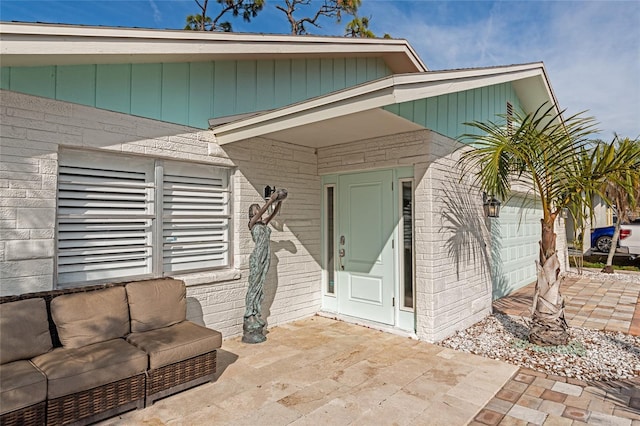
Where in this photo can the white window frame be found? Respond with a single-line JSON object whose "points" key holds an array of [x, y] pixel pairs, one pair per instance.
{"points": [[401, 226], [171, 233]]}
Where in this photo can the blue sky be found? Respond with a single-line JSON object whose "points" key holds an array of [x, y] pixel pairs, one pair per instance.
{"points": [[591, 49]]}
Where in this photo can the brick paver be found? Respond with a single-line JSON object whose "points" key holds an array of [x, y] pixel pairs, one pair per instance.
{"points": [[600, 304], [560, 402], [532, 397]]}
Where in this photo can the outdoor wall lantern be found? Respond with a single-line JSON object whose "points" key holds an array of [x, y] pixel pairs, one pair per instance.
{"points": [[491, 205]]}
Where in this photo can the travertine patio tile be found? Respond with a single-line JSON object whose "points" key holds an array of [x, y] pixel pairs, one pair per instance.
{"points": [[313, 396], [499, 405], [513, 421], [597, 418], [553, 420], [567, 389], [272, 414], [400, 408], [552, 407], [471, 393], [336, 412], [527, 414], [448, 410]]}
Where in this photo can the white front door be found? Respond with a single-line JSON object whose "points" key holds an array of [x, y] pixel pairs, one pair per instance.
{"points": [[365, 267]]}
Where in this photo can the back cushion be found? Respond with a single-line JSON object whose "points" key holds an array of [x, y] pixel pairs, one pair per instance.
{"points": [[24, 330], [156, 303], [91, 317]]}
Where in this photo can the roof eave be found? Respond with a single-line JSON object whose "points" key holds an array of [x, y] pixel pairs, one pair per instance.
{"points": [[46, 44]]}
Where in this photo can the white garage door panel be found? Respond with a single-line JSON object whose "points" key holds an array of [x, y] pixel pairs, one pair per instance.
{"points": [[515, 235]]}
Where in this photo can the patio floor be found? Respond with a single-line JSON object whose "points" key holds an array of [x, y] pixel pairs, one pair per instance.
{"points": [[319, 371]]}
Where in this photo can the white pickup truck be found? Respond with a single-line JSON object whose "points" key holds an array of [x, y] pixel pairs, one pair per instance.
{"points": [[629, 242], [632, 241]]}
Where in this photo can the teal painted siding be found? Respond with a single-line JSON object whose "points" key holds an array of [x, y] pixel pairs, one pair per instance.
{"points": [[113, 87], [38, 81], [146, 89], [191, 93], [77, 84], [446, 114]]}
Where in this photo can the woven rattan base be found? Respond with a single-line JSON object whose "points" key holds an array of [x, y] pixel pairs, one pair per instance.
{"points": [[32, 415], [98, 403], [173, 378]]}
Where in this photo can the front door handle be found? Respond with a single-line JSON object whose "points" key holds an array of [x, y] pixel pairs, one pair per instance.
{"points": [[341, 254]]}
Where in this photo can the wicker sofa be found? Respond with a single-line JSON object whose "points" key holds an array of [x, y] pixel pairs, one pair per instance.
{"points": [[76, 356]]}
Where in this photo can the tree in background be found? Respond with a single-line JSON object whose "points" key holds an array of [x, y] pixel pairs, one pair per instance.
{"points": [[333, 9], [622, 188], [201, 22], [554, 159], [359, 27]]}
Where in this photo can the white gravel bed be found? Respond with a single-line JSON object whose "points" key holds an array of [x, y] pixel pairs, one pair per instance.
{"points": [[591, 355], [627, 276]]}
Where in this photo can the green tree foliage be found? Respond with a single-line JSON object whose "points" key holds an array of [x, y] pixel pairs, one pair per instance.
{"points": [[359, 27], [622, 187], [554, 159], [202, 22], [333, 9]]}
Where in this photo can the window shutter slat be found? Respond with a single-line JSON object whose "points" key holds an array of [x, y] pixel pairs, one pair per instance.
{"points": [[104, 230], [195, 218]]}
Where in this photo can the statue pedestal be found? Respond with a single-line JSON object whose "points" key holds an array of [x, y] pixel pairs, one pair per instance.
{"points": [[253, 330]]}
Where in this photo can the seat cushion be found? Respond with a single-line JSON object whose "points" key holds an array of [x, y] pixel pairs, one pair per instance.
{"points": [[95, 316], [24, 330], [176, 343], [21, 385], [78, 369], [156, 304]]}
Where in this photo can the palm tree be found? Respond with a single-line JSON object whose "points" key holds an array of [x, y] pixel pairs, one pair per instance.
{"points": [[548, 156], [622, 188]]}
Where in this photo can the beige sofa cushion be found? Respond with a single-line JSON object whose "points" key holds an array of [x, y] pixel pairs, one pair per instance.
{"points": [[95, 316], [24, 330], [176, 343], [74, 370], [21, 385], [156, 304]]}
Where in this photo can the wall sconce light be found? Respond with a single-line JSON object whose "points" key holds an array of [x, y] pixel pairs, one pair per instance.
{"points": [[491, 205]]}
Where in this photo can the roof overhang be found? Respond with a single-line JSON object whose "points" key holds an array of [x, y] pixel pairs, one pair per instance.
{"points": [[357, 113], [24, 44]]}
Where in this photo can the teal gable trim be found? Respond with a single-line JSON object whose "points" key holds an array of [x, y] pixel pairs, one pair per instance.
{"points": [[190, 93], [446, 114]]}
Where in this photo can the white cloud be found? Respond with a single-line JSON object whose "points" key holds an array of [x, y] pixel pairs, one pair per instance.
{"points": [[591, 49], [157, 16]]}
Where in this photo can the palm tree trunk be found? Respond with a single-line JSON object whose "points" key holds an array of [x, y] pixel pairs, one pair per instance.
{"points": [[608, 268], [548, 323]]}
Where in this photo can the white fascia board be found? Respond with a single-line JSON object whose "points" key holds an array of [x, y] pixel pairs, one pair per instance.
{"points": [[420, 90], [41, 44], [377, 94]]}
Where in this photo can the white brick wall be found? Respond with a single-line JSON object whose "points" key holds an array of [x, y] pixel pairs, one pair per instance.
{"points": [[34, 130], [453, 286]]}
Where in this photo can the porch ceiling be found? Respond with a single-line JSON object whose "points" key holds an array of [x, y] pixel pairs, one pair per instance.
{"points": [[357, 113], [347, 128]]}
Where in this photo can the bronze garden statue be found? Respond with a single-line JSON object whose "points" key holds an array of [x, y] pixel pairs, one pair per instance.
{"points": [[259, 266]]}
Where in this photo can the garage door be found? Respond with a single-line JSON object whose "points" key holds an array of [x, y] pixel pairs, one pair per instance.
{"points": [[515, 236]]}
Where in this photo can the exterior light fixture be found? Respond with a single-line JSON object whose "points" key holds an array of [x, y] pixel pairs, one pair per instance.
{"points": [[491, 205]]}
